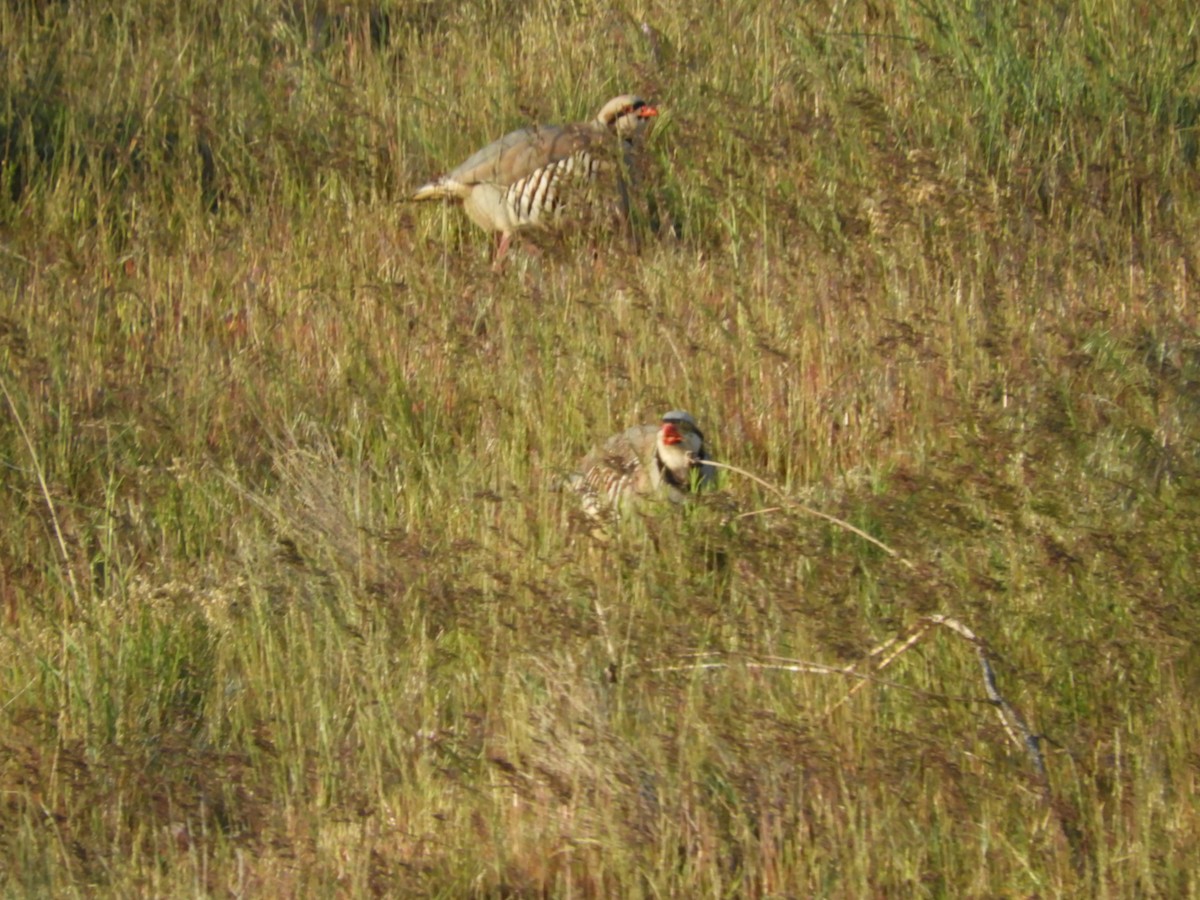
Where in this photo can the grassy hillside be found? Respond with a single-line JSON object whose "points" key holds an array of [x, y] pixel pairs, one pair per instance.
{"points": [[289, 608]]}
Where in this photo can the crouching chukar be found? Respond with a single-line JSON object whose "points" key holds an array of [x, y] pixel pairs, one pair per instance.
{"points": [[666, 459], [524, 179]]}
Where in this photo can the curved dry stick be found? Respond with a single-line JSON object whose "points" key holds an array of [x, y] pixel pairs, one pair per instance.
{"points": [[1014, 723], [808, 510]]}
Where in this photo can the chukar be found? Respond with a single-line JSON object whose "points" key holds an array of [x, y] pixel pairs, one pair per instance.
{"points": [[669, 458], [522, 180]]}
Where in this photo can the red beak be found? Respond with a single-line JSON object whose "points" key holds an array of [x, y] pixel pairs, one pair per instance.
{"points": [[647, 112], [671, 435]]}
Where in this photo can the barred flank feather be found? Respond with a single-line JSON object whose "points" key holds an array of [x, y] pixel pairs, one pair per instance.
{"points": [[535, 198]]}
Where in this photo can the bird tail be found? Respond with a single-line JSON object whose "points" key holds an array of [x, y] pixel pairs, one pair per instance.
{"points": [[435, 190]]}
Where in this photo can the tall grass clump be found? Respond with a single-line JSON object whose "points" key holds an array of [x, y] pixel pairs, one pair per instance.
{"points": [[291, 606]]}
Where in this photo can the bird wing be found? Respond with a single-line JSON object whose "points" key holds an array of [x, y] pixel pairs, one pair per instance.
{"points": [[523, 152], [618, 468]]}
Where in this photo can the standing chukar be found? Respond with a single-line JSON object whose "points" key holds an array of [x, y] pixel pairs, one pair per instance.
{"points": [[522, 180], [668, 458]]}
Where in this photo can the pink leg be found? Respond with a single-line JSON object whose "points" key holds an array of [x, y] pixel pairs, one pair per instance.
{"points": [[505, 240]]}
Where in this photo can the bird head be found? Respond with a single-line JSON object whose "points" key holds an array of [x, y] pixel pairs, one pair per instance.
{"points": [[679, 437], [626, 115]]}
